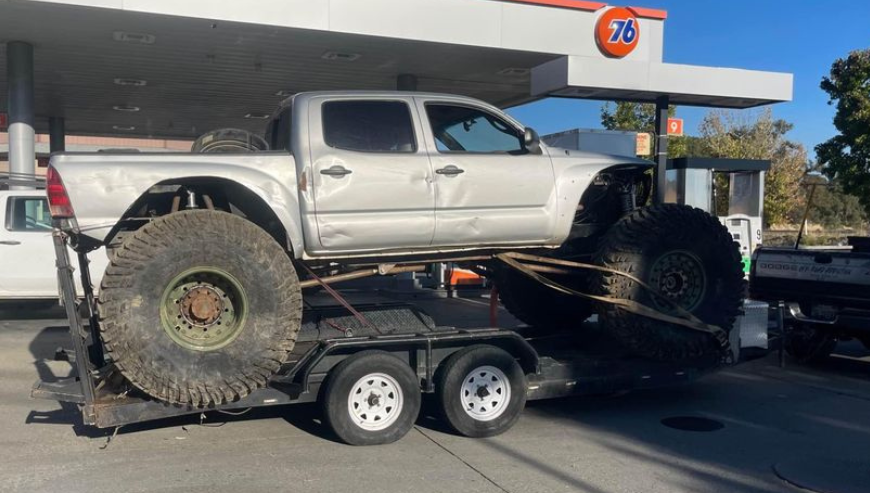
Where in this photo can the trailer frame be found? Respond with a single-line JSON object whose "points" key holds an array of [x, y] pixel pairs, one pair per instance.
{"points": [[552, 368]]}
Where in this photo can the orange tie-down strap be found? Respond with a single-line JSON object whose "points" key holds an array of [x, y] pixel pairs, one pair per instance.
{"points": [[686, 319]]}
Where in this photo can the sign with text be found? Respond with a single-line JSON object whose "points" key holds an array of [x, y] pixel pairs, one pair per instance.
{"points": [[617, 32], [675, 127], [644, 144]]}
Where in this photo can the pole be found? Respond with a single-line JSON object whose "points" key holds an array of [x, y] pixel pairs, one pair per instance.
{"points": [[57, 134], [22, 152], [661, 123]]}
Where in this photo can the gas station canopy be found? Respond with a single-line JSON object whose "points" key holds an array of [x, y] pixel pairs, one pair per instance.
{"points": [[174, 69]]}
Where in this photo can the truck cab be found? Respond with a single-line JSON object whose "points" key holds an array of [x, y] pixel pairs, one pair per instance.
{"points": [[27, 269]]}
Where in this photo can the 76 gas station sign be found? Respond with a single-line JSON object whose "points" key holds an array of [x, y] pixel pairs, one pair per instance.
{"points": [[617, 32]]}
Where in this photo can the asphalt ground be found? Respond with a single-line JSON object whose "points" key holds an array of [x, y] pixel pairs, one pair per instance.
{"points": [[793, 420]]}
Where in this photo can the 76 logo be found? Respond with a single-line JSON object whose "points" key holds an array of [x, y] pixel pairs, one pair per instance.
{"points": [[622, 31]]}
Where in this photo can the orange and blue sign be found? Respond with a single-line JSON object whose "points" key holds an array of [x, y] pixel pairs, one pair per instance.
{"points": [[617, 32]]}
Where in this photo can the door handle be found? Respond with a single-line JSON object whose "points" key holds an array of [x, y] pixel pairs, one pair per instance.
{"points": [[449, 170], [10, 242], [336, 171]]}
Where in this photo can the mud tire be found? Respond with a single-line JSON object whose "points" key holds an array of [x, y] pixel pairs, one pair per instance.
{"points": [[133, 292], [634, 244], [539, 306]]}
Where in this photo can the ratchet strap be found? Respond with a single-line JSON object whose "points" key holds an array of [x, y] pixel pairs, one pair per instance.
{"points": [[339, 298], [686, 318]]}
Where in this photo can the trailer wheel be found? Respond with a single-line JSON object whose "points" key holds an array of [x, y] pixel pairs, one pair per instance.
{"points": [[481, 391], [537, 305], [689, 257], [371, 398], [199, 307]]}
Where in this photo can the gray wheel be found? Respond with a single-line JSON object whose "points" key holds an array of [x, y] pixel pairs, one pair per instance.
{"points": [[199, 307], [689, 257]]}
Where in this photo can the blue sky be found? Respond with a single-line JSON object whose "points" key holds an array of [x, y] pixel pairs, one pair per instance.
{"points": [[802, 37]]}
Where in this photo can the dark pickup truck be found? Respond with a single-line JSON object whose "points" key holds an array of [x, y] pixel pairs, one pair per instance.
{"points": [[827, 294]]}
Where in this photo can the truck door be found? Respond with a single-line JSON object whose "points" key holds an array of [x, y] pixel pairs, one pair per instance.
{"points": [[27, 268], [488, 188], [371, 175]]}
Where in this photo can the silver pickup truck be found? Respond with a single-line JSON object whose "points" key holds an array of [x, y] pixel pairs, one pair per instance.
{"points": [[202, 299]]}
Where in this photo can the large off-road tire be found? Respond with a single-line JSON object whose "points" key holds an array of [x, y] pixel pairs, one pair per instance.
{"points": [[688, 256], [199, 307], [539, 306]]}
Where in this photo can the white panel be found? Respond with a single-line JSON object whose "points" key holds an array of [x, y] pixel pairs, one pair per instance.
{"points": [[111, 4], [608, 73], [548, 30], [724, 82], [654, 33], [470, 22], [307, 14], [550, 76]]}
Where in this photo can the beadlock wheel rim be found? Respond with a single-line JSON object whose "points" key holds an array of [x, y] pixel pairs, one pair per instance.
{"points": [[679, 276], [204, 308], [375, 401], [485, 393]]}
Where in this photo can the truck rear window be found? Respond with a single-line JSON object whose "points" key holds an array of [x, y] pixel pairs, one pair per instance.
{"points": [[368, 126]]}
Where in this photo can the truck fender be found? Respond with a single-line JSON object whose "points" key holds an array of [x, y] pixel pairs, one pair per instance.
{"points": [[105, 191], [573, 179]]}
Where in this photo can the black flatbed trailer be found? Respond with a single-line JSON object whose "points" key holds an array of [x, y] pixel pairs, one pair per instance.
{"points": [[554, 365]]}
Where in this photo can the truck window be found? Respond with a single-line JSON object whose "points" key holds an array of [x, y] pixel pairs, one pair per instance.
{"points": [[27, 214], [369, 126], [464, 129], [278, 134]]}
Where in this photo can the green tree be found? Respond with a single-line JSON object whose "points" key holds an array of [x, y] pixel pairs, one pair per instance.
{"points": [[639, 117], [846, 156], [727, 134]]}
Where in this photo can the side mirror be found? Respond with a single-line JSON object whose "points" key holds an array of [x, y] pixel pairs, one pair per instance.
{"points": [[531, 141]]}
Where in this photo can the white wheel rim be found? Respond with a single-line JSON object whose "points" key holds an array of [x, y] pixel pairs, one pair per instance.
{"points": [[485, 393], [375, 401]]}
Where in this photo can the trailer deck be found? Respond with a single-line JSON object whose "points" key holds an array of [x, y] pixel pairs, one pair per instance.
{"points": [[556, 365]]}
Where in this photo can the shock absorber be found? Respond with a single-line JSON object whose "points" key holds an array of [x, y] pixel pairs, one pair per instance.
{"points": [[627, 197]]}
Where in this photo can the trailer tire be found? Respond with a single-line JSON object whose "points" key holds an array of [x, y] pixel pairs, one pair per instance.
{"points": [[199, 307], [371, 398], [537, 305], [476, 410], [691, 258]]}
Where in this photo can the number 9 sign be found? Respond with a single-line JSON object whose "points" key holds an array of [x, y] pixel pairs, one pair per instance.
{"points": [[617, 32]]}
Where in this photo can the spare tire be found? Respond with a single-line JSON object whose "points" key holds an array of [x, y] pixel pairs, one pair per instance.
{"points": [[690, 258], [199, 307], [229, 140]]}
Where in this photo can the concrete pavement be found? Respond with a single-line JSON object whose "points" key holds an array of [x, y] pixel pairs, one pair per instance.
{"points": [[601, 444]]}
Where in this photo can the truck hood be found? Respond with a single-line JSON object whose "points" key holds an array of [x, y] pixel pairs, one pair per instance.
{"points": [[596, 157]]}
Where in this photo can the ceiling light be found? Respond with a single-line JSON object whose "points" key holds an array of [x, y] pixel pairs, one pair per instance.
{"points": [[341, 56], [284, 93], [125, 128], [125, 107], [513, 72], [131, 82], [138, 38], [257, 116]]}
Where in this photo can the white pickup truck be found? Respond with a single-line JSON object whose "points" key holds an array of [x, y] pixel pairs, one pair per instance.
{"points": [[202, 300], [27, 270]]}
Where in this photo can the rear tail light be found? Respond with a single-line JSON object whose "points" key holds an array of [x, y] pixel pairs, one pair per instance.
{"points": [[58, 200]]}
